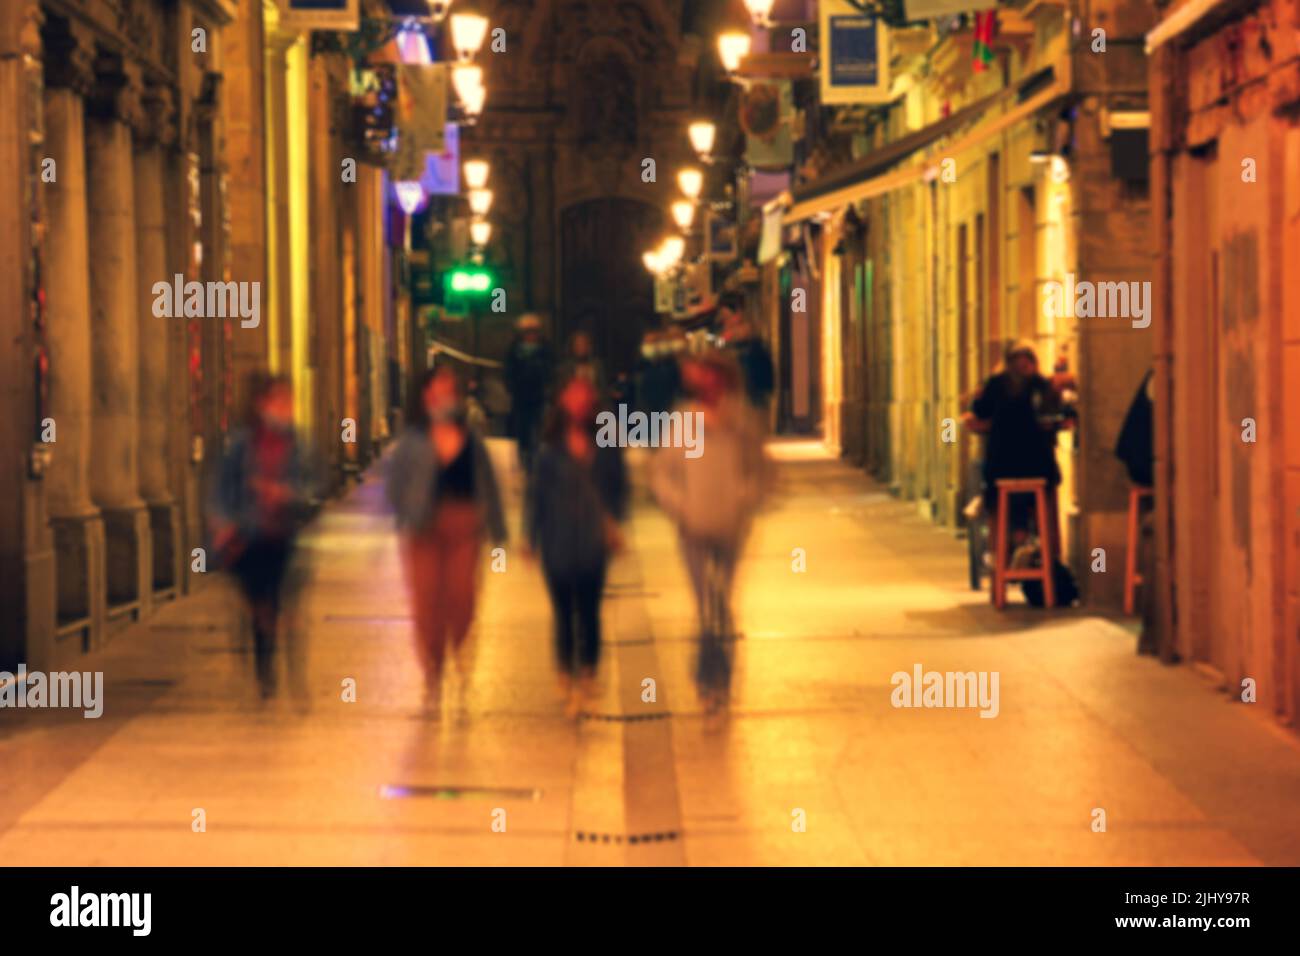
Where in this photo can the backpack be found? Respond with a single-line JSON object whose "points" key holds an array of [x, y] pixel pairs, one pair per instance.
{"points": [[1067, 591]]}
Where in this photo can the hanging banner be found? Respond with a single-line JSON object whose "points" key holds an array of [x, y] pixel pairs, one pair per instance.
{"points": [[421, 117], [854, 64], [766, 113], [342, 15], [442, 170], [938, 9]]}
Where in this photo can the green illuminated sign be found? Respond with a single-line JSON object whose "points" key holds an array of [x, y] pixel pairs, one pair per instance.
{"points": [[470, 281]]}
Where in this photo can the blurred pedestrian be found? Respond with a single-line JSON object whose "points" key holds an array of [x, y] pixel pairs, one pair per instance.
{"points": [[1020, 411], [581, 362], [658, 376], [751, 353], [577, 497], [444, 493], [260, 499], [713, 499], [529, 368]]}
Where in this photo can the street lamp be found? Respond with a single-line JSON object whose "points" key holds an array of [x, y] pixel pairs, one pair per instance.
{"points": [[468, 30], [671, 251], [473, 103], [733, 46], [691, 181], [466, 79], [480, 231], [410, 195], [480, 201], [683, 211], [760, 12], [702, 134], [652, 261], [476, 173]]}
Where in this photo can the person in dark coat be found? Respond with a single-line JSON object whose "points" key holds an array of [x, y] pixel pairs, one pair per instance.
{"points": [[1020, 412], [751, 352], [576, 498], [529, 368], [259, 502]]}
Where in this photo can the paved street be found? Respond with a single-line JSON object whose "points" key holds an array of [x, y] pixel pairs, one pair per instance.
{"points": [[1184, 776]]}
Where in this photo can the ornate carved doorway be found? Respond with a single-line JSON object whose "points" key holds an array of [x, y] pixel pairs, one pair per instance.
{"points": [[606, 290]]}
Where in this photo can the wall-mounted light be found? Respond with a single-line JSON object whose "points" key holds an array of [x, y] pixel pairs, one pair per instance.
{"points": [[683, 211], [671, 251], [760, 11], [691, 182], [468, 30], [480, 201], [702, 134], [473, 103], [476, 173], [480, 231], [410, 196], [652, 261], [733, 46], [466, 78]]}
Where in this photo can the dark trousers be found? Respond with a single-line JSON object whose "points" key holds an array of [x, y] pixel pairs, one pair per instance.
{"points": [[712, 569], [261, 569], [528, 429], [575, 599]]}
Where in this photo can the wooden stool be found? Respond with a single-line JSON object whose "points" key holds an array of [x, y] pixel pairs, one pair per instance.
{"points": [[1131, 576], [1046, 533]]}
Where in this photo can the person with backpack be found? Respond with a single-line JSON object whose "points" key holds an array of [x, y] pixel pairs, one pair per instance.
{"points": [[712, 499]]}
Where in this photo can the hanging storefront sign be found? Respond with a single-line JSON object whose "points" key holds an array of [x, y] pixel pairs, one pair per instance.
{"points": [[766, 113], [442, 170], [342, 15], [769, 243], [421, 116], [939, 9], [664, 288], [855, 54], [720, 234]]}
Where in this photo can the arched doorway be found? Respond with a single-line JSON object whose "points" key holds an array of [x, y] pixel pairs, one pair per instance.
{"points": [[606, 290]]}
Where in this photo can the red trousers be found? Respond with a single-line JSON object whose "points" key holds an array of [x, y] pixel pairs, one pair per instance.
{"points": [[441, 564]]}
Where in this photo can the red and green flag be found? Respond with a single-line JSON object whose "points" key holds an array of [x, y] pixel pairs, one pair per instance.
{"points": [[986, 23]]}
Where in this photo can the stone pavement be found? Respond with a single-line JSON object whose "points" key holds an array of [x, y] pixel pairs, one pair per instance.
{"points": [[1184, 776]]}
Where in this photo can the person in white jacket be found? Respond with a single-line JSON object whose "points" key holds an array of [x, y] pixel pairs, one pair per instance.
{"points": [[712, 499]]}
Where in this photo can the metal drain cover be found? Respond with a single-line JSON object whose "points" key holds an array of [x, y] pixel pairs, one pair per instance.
{"points": [[402, 791]]}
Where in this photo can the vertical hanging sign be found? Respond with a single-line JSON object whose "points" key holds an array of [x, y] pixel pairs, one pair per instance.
{"points": [[854, 64]]}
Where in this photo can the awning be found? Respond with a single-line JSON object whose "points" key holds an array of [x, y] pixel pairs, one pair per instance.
{"points": [[874, 176], [1191, 15]]}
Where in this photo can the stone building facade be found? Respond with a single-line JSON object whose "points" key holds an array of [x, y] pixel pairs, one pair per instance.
{"points": [[582, 95], [937, 249], [139, 137], [1225, 88]]}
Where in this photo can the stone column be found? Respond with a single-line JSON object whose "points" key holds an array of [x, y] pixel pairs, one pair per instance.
{"points": [[154, 338], [78, 530], [115, 482], [28, 603]]}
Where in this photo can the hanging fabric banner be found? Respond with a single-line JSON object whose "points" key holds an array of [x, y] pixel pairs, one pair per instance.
{"points": [[854, 63], [421, 116]]}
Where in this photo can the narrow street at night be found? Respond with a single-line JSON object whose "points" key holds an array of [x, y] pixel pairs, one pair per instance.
{"points": [[477, 468], [1184, 776]]}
